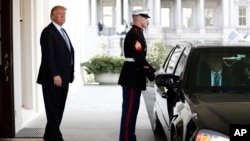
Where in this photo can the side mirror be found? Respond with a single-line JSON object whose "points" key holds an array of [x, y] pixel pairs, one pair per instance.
{"points": [[167, 80]]}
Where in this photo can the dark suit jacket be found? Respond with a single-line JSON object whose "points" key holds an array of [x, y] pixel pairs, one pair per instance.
{"points": [[227, 78], [56, 57]]}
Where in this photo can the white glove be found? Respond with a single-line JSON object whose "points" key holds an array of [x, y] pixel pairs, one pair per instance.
{"points": [[156, 73]]}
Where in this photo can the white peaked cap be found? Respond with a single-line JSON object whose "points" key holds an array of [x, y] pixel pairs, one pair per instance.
{"points": [[141, 12]]}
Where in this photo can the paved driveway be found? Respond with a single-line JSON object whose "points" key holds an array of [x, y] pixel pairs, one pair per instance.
{"points": [[93, 114]]}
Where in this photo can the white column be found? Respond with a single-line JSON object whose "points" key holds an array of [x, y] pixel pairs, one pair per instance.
{"points": [[232, 13], [157, 14], [27, 45], [125, 11], [202, 19], [118, 12], [151, 12], [93, 12], [17, 62], [178, 14], [225, 13], [87, 10]]}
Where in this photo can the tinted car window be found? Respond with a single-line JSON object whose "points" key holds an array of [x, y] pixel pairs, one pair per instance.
{"points": [[181, 64], [164, 66], [173, 60], [236, 65]]}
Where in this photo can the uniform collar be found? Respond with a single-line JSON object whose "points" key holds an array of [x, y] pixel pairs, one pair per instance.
{"points": [[137, 28]]}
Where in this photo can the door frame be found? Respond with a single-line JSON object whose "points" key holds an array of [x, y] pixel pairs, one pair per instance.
{"points": [[7, 120]]}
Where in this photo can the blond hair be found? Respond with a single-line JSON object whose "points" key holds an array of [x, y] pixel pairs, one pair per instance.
{"points": [[56, 8]]}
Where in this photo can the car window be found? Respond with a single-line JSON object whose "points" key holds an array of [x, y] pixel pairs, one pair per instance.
{"points": [[234, 75], [173, 60], [181, 64], [167, 59]]}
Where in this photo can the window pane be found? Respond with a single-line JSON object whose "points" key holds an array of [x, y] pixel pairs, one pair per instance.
{"points": [[165, 17], [173, 60], [209, 16], [107, 16], [180, 66], [242, 15], [235, 62], [187, 17], [242, 21]]}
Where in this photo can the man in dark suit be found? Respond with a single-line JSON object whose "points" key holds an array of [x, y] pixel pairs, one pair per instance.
{"points": [[56, 71], [133, 74], [215, 74]]}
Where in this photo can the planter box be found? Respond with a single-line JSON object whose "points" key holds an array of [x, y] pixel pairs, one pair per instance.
{"points": [[107, 78]]}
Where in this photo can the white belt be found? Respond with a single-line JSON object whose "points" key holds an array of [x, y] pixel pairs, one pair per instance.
{"points": [[129, 59]]}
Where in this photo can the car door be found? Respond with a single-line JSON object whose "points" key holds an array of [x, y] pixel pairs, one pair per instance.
{"points": [[161, 97]]}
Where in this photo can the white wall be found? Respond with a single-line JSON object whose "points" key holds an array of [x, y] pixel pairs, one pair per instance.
{"points": [[17, 64]]}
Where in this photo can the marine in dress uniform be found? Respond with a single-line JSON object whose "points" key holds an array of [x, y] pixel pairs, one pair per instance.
{"points": [[134, 73]]}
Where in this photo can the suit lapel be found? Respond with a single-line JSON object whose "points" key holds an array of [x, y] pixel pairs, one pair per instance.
{"points": [[59, 35]]}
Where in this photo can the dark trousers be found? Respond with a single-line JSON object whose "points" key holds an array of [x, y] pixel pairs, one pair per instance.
{"points": [[54, 101], [130, 107]]}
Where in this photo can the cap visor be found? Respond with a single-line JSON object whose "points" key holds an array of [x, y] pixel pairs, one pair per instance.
{"points": [[145, 15]]}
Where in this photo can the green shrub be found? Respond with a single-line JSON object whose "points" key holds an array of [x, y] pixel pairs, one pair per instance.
{"points": [[103, 64], [157, 53]]}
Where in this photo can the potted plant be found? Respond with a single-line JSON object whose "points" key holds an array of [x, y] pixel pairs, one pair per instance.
{"points": [[105, 68]]}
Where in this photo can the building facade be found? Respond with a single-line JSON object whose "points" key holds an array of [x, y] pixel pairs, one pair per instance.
{"points": [[176, 20]]}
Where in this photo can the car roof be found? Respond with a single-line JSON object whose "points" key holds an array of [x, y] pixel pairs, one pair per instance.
{"points": [[196, 44]]}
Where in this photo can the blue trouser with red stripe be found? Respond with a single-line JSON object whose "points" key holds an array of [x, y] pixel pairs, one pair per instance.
{"points": [[130, 107]]}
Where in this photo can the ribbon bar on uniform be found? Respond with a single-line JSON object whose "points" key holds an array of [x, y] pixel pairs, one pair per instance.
{"points": [[129, 59]]}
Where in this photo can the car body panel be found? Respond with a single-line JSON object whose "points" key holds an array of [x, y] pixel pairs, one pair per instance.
{"points": [[212, 110]]}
